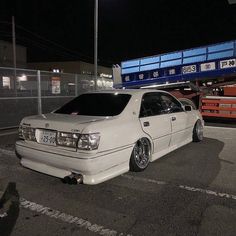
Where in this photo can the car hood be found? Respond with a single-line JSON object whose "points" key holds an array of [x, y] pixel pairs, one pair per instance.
{"points": [[61, 122]]}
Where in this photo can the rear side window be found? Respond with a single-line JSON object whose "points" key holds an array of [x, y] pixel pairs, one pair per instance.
{"points": [[151, 105], [159, 103], [96, 104]]}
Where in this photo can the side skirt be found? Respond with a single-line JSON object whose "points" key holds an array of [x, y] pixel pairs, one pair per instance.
{"points": [[157, 155]]}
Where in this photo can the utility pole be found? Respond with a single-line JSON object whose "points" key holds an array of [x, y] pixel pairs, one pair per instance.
{"points": [[14, 49], [96, 42]]}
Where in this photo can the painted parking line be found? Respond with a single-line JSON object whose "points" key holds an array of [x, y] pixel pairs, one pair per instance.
{"points": [[145, 180], [7, 152], [99, 229], [208, 192], [217, 127], [158, 182], [185, 187], [80, 222]]}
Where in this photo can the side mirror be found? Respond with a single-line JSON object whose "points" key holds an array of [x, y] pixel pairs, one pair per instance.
{"points": [[188, 108]]}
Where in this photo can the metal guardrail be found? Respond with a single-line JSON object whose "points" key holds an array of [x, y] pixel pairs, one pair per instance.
{"points": [[34, 92]]}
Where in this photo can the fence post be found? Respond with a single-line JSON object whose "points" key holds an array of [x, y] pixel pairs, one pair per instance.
{"points": [[39, 93], [76, 85]]}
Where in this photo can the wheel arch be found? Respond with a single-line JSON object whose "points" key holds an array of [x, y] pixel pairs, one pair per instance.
{"points": [[146, 136], [195, 136], [133, 165]]}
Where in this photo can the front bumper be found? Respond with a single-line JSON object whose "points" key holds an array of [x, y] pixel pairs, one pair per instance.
{"points": [[95, 168]]}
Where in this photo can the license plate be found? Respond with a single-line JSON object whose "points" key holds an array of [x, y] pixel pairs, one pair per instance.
{"points": [[47, 137]]}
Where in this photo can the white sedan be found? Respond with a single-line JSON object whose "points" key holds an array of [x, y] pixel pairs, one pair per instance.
{"points": [[100, 135]]}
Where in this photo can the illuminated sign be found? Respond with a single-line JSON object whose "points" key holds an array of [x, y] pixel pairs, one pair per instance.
{"points": [[105, 75], [6, 82], [141, 76], [196, 63], [56, 85], [189, 69], [155, 74], [172, 72], [227, 63], [208, 66], [127, 78]]}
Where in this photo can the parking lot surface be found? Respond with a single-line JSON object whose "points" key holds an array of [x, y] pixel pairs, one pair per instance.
{"points": [[190, 191]]}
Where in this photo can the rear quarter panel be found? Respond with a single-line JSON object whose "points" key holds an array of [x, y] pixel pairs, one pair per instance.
{"points": [[116, 133]]}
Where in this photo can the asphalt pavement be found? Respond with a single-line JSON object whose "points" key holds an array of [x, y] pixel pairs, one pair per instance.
{"points": [[190, 191]]}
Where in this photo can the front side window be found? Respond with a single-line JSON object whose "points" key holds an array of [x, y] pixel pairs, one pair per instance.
{"points": [[170, 104], [96, 104], [159, 103]]}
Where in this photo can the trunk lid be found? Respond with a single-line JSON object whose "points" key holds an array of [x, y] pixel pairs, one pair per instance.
{"points": [[61, 122]]}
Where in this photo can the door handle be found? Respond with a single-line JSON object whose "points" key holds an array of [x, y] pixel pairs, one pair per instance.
{"points": [[173, 118], [146, 123]]}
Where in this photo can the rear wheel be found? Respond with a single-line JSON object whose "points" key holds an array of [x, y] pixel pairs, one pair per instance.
{"points": [[198, 131], [141, 155]]}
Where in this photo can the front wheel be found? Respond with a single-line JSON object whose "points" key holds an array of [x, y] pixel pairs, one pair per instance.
{"points": [[198, 131], [141, 155]]}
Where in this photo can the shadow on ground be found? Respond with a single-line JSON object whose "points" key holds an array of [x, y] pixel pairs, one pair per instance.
{"points": [[197, 164], [9, 209], [220, 122], [132, 206]]}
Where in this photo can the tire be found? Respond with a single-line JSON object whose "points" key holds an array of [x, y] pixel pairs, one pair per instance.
{"points": [[186, 101], [198, 131], [141, 155]]}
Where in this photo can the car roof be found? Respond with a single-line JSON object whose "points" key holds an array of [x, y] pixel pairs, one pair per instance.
{"points": [[128, 91]]}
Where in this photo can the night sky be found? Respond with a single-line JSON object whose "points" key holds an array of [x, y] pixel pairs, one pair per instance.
{"points": [[63, 30]]}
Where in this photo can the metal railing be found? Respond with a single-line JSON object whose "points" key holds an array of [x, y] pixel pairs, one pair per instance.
{"points": [[34, 92]]}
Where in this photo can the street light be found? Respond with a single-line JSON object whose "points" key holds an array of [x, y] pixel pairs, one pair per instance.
{"points": [[96, 42], [232, 1]]}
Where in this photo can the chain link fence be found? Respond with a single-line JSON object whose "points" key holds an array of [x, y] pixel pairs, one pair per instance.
{"points": [[30, 92]]}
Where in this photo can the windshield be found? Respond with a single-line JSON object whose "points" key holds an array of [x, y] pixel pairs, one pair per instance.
{"points": [[96, 104]]}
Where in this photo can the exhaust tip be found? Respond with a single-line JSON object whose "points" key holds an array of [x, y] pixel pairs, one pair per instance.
{"points": [[73, 179], [77, 179], [66, 180]]}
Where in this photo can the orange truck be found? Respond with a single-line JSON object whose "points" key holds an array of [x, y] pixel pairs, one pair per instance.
{"points": [[223, 106]]}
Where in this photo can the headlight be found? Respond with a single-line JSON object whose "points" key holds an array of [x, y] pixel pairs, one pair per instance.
{"points": [[67, 139], [89, 141], [27, 133]]}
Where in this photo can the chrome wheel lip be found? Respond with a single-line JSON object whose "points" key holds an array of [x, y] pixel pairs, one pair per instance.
{"points": [[199, 130], [142, 152]]}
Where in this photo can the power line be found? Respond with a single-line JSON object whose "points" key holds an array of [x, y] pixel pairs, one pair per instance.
{"points": [[54, 43], [33, 44], [69, 51], [44, 42]]}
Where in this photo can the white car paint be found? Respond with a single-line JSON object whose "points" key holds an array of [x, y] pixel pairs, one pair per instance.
{"points": [[118, 135]]}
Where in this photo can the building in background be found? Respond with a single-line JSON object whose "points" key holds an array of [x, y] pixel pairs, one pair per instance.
{"points": [[75, 67], [6, 55], [83, 69]]}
